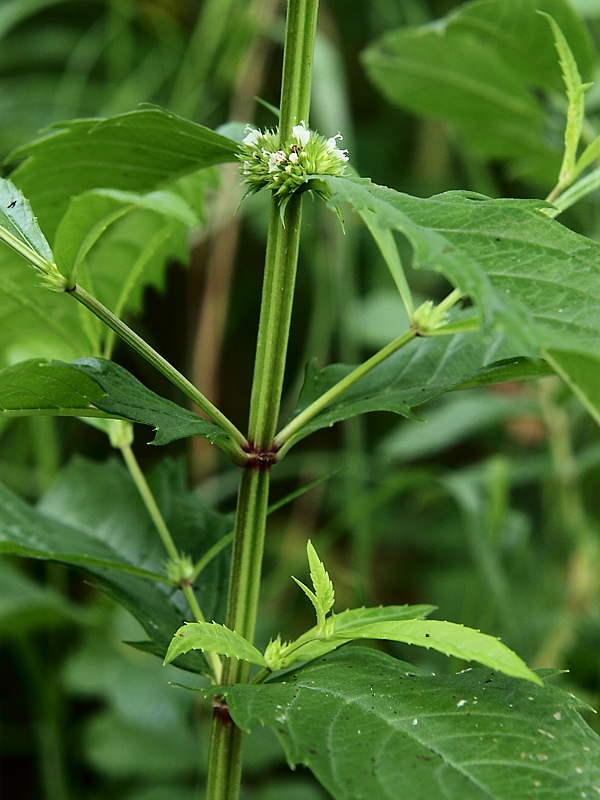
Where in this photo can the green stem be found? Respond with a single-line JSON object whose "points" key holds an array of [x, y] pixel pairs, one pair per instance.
{"points": [[273, 332], [235, 443], [301, 26], [285, 438], [165, 534], [225, 760]]}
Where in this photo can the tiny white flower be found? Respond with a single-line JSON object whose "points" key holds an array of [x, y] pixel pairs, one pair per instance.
{"points": [[294, 158], [251, 138], [332, 142], [301, 133]]}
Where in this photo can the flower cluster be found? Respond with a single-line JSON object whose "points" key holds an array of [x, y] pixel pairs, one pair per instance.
{"points": [[285, 169]]}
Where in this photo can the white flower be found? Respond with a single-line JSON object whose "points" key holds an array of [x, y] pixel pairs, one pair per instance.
{"points": [[335, 151], [286, 167], [301, 133], [251, 138]]}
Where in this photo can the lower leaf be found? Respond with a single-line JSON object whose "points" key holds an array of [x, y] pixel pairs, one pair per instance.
{"points": [[368, 725]]}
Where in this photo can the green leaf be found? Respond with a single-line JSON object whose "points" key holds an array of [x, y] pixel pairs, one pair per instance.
{"points": [[589, 155], [576, 109], [131, 255], [26, 531], [91, 213], [424, 369], [308, 647], [530, 278], [451, 640], [582, 374], [18, 220], [323, 596], [116, 542], [489, 61], [138, 151], [20, 231], [370, 726], [95, 387], [211, 637]]}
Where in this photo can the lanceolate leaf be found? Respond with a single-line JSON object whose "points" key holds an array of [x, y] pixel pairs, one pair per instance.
{"points": [[450, 639], [445, 637], [19, 222], [210, 637], [425, 369], [307, 647], [138, 151], [95, 387], [368, 725]]}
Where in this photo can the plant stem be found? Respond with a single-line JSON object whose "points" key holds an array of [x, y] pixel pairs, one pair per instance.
{"points": [[235, 443], [165, 534], [285, 438], [225, 762], [276, 307]]}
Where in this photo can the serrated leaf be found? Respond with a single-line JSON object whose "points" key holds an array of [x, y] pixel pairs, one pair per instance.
{"points": [[530, 278], [308, 647], [138, 151], [450, 639], [576, 108], [324, 595], [19, 221], [96, 387], [419, 372], [487, 61], [370, 726], [210, 637]]}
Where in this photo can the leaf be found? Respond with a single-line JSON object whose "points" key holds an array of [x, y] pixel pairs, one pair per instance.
{"points": [[95, 387], [530, 278], [138, 151], [323, 596], [116, 542], [308, 647], [25, 531], [445, 637], [451, 640], [424, 369], [370, 726], [576, 109], [210, 637], [489, 61], [18, 221], [131, 255], [582, 374], [91, 213]]}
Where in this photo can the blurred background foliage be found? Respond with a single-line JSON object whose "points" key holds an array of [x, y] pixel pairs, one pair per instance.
{"points": [[489, 510]]}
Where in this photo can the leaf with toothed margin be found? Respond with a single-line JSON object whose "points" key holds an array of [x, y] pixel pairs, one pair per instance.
{"points": [[368, 725]]}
